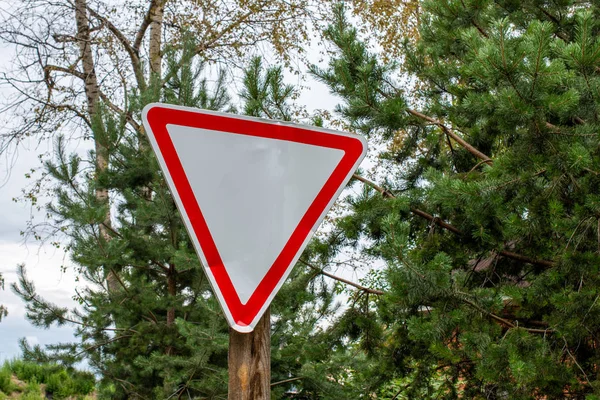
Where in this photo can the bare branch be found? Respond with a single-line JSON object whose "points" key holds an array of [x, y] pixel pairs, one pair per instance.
{"points": [[489, 314], [210, 43], [337, 278], [287, 381], [134, 124], [133, 52], [452, 134], [69, 71], [503, 321]]}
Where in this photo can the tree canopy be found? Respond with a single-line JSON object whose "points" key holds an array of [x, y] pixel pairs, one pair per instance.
{"points": [[476, 224], [484, 207]]}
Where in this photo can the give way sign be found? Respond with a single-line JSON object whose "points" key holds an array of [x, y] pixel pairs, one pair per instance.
{"points": [[251, 193]]}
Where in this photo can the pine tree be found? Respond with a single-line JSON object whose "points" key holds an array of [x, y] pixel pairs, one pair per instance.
{"points": [[162, 334], [151, 338], [485, 210]]}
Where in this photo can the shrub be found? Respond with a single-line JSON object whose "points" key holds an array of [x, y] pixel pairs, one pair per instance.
{"points": [[32, 391], [6, 385], [60, 385], [28, 371], [84, 383], [106, 391]]}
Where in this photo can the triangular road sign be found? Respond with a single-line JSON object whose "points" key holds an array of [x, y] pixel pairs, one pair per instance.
{"points": [[251, 193]]}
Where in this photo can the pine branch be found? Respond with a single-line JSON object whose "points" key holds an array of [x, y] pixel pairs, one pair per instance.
{"points": [[87, 349], [453, 229], [337, 278], [287, 381], [505, 321], [529, 260], [489, 314], [479, 164], [449, 132], [475, 24], [470, 148], [119, 280], [26, 290]]}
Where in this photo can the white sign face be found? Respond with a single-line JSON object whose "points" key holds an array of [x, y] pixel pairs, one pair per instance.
{"points": [[251, 193]]}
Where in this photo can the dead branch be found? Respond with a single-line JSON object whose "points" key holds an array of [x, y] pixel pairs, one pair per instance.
{"points": [[337, 278], [452, 134]]}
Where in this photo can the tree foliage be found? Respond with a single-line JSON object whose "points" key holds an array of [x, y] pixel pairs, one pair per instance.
{"points": [[147, 321], [162, 332], [480, 219], [486, 219]]}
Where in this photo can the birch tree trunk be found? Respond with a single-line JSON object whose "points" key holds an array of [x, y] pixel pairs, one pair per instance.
{"points": [[157, 14], [92, 92]]}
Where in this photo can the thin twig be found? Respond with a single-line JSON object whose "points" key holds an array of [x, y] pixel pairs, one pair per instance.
{"points": [[575, 361], [287, 381], [337, 278], [504, 321]]}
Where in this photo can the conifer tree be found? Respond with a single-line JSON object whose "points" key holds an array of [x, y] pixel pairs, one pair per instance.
{"points": [[162, 334], [485, 211], [152, 338]]}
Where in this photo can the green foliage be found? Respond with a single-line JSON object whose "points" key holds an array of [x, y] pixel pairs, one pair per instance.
{"points": [[107, 392], [29, 371], [59, 382], [265, 94], [61, 385], [84, 383], [487, 233], [32, 396], [159, 332], [6, 385], [33, 391]]}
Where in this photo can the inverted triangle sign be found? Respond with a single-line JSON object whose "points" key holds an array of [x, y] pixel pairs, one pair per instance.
{"points": [[251, 193]]}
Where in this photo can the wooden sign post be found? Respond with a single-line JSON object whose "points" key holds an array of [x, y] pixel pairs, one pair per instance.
{"points": [[250, 362]]}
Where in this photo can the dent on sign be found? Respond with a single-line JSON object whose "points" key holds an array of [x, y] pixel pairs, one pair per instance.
{"points": [[251, 193]]}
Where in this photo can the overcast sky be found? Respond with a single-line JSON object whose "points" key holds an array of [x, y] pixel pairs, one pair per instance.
{"points": [[43, 261]]}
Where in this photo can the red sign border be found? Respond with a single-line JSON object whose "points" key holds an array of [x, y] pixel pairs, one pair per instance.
{"points": [[159, 116]]}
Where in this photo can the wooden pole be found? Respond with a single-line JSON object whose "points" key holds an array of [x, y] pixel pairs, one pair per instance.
{"points": [[250, 362]]}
